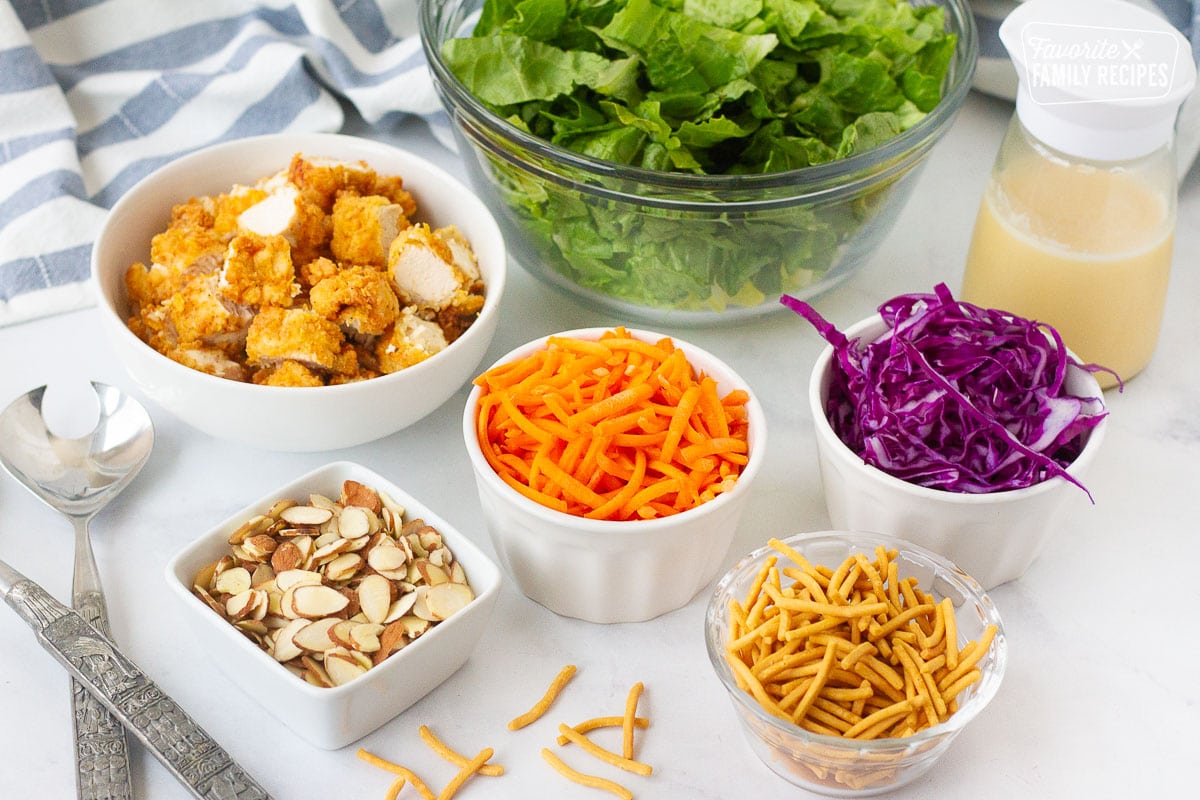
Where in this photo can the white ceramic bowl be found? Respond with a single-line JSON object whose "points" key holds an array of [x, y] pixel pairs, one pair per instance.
{"points": [[833, 765], [333, 718], [292, 418], [994, 536], [614, 571]]}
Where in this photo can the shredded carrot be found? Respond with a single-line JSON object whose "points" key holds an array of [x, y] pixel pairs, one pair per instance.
{"points": [[614, 429]]}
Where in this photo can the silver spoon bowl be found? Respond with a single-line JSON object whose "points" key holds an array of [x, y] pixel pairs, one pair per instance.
{"points": [[78, 476]]}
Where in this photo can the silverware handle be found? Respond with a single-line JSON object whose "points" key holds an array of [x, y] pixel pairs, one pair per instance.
{"points": [[101, 749], [174, 738]]}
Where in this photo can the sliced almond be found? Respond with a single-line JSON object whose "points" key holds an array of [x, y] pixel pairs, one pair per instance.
{"points": [[262, 575], [316, 601], [330, 551], [430, 539], [341, 634], [402, 605], [391, 505], [295, 577], [286, 556], [315, 673], [256, 524], [204, 576], [358, 494], [209, 600], [364, 637], [358, 543], [281, 506], [457, 573], [315, 637], [284, 647], [341, 666], [388, 560], [446, 599], [375, 597], [343, 567], [420, 607], [246, 604], [321, 501], [431, 573], [233, 581], [307, 516], [393, 638], [413, 626], [354, 522]]}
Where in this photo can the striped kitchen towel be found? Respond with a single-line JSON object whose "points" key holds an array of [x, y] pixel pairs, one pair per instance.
{"points": [[95, 94]]}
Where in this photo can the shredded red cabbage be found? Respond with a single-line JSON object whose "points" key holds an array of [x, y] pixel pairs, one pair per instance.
{"points": [[957, 397]]}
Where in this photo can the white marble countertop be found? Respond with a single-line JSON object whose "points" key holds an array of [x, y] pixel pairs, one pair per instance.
{"points": [[1100, 698]]}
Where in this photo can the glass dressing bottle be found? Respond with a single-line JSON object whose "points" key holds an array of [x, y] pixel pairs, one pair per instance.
{"points": [[1076, 226]]}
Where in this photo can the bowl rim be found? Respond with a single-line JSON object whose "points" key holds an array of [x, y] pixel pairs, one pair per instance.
{"points": [[379, 672], [838, 449], [985, 689], [825, 178], [756, 436], [494, 285]]}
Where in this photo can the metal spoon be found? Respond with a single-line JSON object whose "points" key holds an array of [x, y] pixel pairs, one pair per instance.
{"points": [[78, 476]]}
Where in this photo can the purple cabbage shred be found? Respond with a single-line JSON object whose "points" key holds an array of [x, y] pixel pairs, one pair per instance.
{"points": [[957, 397]]}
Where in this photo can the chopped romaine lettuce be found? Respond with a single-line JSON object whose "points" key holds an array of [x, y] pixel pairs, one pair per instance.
{"points": [[718, 87]]}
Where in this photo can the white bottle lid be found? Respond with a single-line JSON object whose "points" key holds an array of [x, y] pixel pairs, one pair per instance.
{"points": [[1098, 79]]}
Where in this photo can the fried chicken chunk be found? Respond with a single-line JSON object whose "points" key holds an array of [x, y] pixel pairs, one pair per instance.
{"points": [[301, 335], [258, 271], [364, 228], [359, 299], [411, 341], [423, 270]]}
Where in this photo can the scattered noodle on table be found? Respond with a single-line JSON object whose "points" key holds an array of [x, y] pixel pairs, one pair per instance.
{"points": [[541, 706]]}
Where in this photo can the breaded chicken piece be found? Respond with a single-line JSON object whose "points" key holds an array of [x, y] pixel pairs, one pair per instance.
{"points": [[364, 228], [322, 178], [421, 266], [392, 187], [359, 299], [316, 271], [288, 373], [464, 255], [258, 271], [287, 212], [454, 319], [411, 341], [209, 359], [148, 285], [198, 316], [226, 208], [298, 334], [188, 246]]}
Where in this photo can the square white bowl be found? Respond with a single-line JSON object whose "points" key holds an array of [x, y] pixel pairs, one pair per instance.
{"points": [[333, 718]]}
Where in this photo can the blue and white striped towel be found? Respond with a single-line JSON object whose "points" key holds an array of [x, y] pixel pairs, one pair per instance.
{"points": [[94, 94]]}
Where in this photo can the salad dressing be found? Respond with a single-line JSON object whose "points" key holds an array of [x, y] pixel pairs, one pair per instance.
{"points": [[1086, 250], [1076, 227]]}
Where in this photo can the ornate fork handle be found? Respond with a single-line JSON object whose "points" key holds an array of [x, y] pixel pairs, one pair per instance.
{"points": [[156, 720], [101, 750]]}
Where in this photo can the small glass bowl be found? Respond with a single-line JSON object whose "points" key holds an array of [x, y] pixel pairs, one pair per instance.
{"points": [[832, 765]]}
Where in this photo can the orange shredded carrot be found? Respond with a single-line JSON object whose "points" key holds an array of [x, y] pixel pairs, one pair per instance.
{"points": [[616, 428]]}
